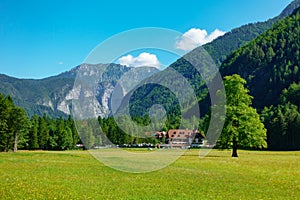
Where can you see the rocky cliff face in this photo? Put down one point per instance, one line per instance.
(55, 95)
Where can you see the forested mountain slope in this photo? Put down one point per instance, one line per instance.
(269, 63)
(221, 47)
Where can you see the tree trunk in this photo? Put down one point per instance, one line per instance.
(16, 142)
(234, 147)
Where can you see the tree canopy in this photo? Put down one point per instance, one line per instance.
(243, 127)
(18, 131)
(283, 121)
(14, 124)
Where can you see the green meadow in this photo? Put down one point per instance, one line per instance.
(77, 175)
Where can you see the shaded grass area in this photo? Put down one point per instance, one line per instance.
(77, 175)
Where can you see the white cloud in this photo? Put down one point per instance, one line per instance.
(60, 62)
(196, 37)
(144, 59)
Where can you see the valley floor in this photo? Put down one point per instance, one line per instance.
(77, 175)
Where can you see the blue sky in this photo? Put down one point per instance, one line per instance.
(44, 38)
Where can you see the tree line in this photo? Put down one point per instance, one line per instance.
(283, 121)
(17, 130)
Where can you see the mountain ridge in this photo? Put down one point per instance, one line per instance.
(219, 49)
(53, 95)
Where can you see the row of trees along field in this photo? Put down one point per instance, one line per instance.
(106, 131)
(17, 130)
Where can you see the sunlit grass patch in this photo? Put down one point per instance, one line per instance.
(77, 175)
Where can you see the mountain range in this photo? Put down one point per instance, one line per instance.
(53, 95)
(267, 71)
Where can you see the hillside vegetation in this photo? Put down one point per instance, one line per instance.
(269, 63)
(220, 48)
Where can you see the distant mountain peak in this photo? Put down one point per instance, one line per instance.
(54, 95)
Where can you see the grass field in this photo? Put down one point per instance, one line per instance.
(77, 175)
